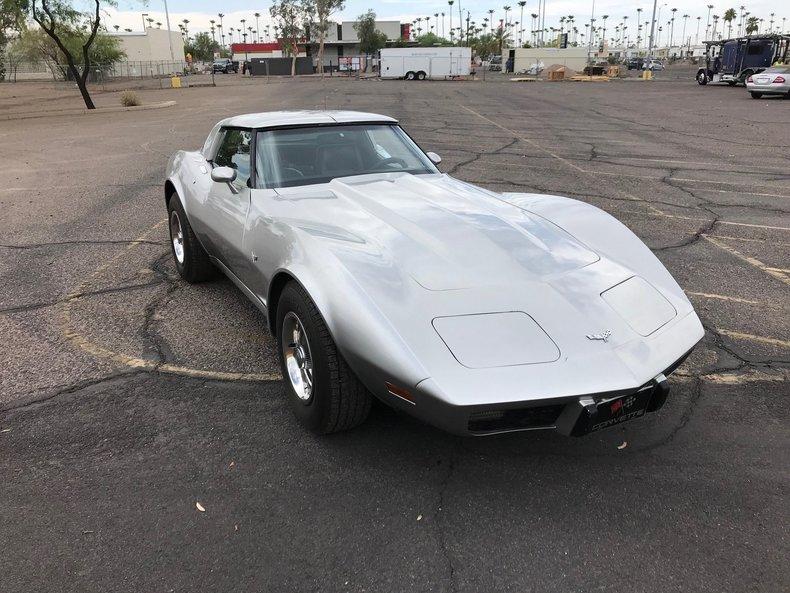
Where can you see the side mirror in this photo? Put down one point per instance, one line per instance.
(435, 158)
(223, 174)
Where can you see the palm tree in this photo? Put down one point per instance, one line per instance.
(506, 9)
(257, 15)
(672, 27)
(116, 27)
(771, 30)
(222, 30)
(707, 25)
(729, 16)
(442, 24)
(522, 4)
(186, 29)
(603, 34)
(685, 18)
(158, 25)
(212, 21)
(740, 25)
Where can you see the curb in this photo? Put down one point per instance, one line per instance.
(85, 111)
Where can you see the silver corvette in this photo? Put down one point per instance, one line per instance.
(475, 311)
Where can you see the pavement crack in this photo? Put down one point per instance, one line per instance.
(24, 403)
(80, 242)
(440, 514)
(76, 295)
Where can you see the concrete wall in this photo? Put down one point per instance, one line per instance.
(151, 46)
(572, 57)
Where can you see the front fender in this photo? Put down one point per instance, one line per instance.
(365, 337)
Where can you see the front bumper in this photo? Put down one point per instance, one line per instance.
(574, 415)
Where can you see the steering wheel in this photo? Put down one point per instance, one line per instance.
(297, 172)
(392, 159)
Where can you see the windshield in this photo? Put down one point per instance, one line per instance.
(305, 156)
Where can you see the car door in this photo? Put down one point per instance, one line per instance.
(226, 206)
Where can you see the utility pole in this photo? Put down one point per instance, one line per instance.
(169, 33)
(652, 31)
(592, 29)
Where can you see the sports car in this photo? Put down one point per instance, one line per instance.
(379, 276)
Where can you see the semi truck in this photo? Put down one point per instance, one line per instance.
(734, 60)
(419, 63)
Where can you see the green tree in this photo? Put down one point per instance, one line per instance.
(290, 16)
(202, 47)
(752, 25)
(431, 40)
(371, 40)
(61, 21)
(729, 16)
(36, 46)
(12, 20)
(320, 12)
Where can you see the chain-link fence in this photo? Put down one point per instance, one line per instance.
(99, 73)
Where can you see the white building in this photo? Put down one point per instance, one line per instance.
(152, 45)
(342, 39)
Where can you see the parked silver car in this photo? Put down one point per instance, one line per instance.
(477, 311)
(771, 81)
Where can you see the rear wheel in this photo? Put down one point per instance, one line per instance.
(410, 76)
(323, 391)
(702, 77)
(192, 261)
(421, 76)
(756, 95)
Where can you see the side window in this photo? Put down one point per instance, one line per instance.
(234, 152)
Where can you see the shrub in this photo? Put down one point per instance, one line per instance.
(130, 99)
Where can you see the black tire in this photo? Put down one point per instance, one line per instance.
(756, 95)
(194, 265)
(410, 76)
(421, 75)
(702, 78)
(337, 400)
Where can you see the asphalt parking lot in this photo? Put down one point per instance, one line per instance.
(127, 396)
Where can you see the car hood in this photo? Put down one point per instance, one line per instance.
(488, 295)
(442, 233)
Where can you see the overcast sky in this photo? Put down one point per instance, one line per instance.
(198, 12)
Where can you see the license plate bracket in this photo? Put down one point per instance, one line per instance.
(611, 412)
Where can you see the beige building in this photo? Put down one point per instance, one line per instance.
(574, 58)
(152, 45)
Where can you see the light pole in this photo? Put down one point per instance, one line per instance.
(707, 23)
(592, 32)
(652, 31)
(169, 33)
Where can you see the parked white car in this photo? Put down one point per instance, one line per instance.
(771, 81)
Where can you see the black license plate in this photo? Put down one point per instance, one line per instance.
(616, 411)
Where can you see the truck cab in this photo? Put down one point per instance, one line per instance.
(734, 60)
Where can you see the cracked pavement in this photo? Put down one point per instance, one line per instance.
(127, 396)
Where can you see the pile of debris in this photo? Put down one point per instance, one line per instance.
(559, 72)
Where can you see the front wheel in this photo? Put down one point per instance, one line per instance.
(323, 391)
(702, 77)
(410, 76)
(192, 261)
(756, 95)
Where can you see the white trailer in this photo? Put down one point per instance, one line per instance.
(419, 63)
